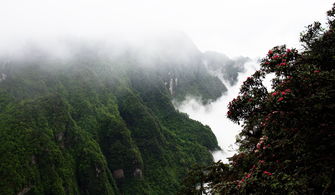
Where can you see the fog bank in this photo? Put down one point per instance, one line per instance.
(215, 114)
(235, 28)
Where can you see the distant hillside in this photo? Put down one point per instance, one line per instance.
(222, 66)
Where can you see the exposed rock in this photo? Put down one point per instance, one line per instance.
(98, 171)
(2, 77)
(60, 136)
(33, 159)
(24, 190)
(138, 173)
(118, 174)
(171, 86)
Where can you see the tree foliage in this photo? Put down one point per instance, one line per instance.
(287, 142)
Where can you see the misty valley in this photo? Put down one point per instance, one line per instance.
(115, 111)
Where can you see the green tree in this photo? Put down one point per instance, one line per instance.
(287, 142)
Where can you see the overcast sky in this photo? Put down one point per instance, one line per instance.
(234, 27)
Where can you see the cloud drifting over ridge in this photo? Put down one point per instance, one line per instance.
(236, 28)
(215, 115)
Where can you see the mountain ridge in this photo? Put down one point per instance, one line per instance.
(96, 124)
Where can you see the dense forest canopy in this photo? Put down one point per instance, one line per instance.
(287, 142)
(100, 120)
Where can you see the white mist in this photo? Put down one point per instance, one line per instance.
(215, 115)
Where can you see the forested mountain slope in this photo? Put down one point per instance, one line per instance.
(101, 123)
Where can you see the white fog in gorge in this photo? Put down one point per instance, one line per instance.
(215, 114)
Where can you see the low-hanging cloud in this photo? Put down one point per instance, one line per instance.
(232, 27)
(215, 114)
(223, 67)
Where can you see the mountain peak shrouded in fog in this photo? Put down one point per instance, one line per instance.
(176, 46)
(95, 116)
(183, 68)
(224, 67)
(232, 27)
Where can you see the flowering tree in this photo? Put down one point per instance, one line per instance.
(288, 139)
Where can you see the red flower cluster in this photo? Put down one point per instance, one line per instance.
(280, 99)
(261, 144)
(247, 176)
(267, 173)
(285, 92)
(279, 57)
(276, 57)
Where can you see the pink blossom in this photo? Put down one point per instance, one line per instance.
(280, 99)
(288, 50)
(267, 173)
(283, 93)
(275, 57)
(274, 93)
(270, 52)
